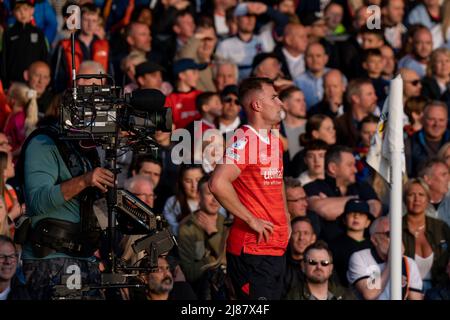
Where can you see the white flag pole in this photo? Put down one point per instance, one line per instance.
(396, 146)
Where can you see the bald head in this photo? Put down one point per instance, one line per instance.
(334, 87)
(38, 76)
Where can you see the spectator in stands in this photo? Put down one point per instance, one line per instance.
(200, 47)
(88, 46)
(427, 13)
(369, 270)
(302, 236)
(426, 143)
(24, 116)
(414, 107)
(292, 51)
(317, 267)
(293, 125)
(362, 101)
(366, 132)
(327, 197)
(229, 120)
(147, 166)
(297, 204)
(38, 76)
(357, 219)
(422, 46)
(315, 161)
(225, 73)
(143, 188)
(435, 174)
(424, 236)
(332, 104)
(320, 127)
(182, 100)
(311, 81)
(372, 62)
(183, 29)
(242, 48)
(334, 14)
(11, 287)
(393, 12)
(128, 67)
(390, 63)
(442, 291)
(441, 32)
(162, 283)
(13, 208)
(202, 240)
(23, 43)
(436, 84)
(148, 75)
(412, 86)
(186, 199)
(444, 154)
(317, 32)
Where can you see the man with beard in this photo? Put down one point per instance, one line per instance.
(317, 267)
(162, 284)
(201, 241)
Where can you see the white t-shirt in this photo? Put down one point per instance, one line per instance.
(296, 65)
(362, 265)
(241, 52)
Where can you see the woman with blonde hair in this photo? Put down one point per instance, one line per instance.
(424, 236)
(24, 116)
(441, 31)
(436, 83)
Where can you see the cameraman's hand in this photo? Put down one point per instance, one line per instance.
(99, 177)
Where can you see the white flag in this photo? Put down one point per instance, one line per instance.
(389, 135)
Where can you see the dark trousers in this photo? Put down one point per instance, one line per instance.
(256, 277)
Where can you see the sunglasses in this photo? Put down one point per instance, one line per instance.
(231, 100)
(323, 263)
(414, 82)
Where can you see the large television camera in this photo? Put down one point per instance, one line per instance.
(100, 112)
(103, 115)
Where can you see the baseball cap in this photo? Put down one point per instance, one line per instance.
(16, 2)
(147, 67)
(260, 57)
(310, 18)
(359, 206)
(187, 64)
(240, 10)
(230, 89)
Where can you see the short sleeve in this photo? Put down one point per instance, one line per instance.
(237, 152)
(357, 268)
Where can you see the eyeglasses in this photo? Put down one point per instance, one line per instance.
(323, 263)
(231, 100)
(12, 257)
(413, 82)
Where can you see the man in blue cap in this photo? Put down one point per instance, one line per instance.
(182, 100)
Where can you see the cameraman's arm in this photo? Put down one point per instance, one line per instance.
(43, 168)
(99, 177)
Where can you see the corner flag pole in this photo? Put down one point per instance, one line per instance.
(396, 149)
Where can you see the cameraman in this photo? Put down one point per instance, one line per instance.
(61, 180)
